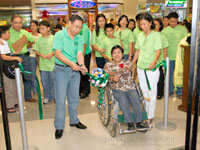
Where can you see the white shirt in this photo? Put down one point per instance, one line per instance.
(4, 49)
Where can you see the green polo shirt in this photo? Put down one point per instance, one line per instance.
(164, 45)
(69, 48)
(44, 46)
(136, 32)
(126, 37)
(148, 47)
(85, 33)
(174, 35)
(97, 40)
(16, 35)
(108, 44)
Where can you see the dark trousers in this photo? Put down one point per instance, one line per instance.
(100, 62)
(85, 83)
(26, 77)
(160, 87)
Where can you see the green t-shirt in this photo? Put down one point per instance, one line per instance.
(85, 33)
(97, 40)
(174, 35)
(148, 47)
(16, 35)
(136, 32)
(44, 46)
(108, 44)
(164, 45)
(68, 47)
(126, 36)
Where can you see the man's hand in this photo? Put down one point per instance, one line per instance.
(75, 67)
(116, 78)
(19, 59)
(43, 56)
(83, 69)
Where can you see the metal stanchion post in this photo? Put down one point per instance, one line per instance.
(21, 112)
(165, 125)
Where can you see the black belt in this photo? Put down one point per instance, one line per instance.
(24, 54)
(61, 65)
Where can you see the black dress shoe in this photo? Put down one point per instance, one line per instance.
(58, 134)
(83, 95)
(79, 125)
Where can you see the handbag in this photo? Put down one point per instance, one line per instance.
(8, 68)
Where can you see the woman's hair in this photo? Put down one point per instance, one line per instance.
(188, 26)
(117, 47)
(160, 22)
(35, 22)
(123, 16)
(132, 20)
(148, 17)
(97, 25)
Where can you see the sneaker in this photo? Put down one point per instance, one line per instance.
(131, 126)
(46, 101)
(142, 125)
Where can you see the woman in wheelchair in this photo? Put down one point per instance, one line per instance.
(124, 89)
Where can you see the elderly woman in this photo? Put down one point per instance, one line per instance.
(124, 88)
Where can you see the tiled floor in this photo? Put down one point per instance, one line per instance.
(40, 133)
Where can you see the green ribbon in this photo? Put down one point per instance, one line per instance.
(38, 89)
(101, 90)
(163, 63)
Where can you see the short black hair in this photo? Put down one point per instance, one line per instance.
(111, 19)
(149, 18)
(188, 26)
(15, 16)
(137, 18)
(173, 15)
(35, 22)
(132, 20)
(166, 17)
(44, 23)
(115, 47)
(160, 22)
(3, 29)
(109, 25)
(75, 17)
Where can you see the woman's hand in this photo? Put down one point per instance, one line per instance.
(152, 65)
(116, 78)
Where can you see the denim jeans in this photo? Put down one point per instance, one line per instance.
(66, 83)
(171, 76)
(179, 91)
(33, 66)
(26, 77)
(47, 83)
(125, 99)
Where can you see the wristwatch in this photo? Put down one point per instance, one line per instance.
(82, 65)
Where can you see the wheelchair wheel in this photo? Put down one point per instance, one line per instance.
(112, 126)
(104, 112)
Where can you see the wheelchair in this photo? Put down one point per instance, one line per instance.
(111, 116)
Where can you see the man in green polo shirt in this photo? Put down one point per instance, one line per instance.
(16, 32)
(68, 47)
(174, 34)
(85, 33)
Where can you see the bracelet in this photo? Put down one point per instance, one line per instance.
(82, 65)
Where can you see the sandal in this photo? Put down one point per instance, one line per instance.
(11, 110)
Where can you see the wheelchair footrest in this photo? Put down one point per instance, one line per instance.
(120, 117)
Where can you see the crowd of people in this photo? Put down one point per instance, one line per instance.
(64, 58)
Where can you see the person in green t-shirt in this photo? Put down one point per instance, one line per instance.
(109, 42)
(126, 36)
(159, 27)
(174, 34)
(148, 46)
(68, 47)
(43, 49)
(97, 37)
(85, 33)
(16, 32)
